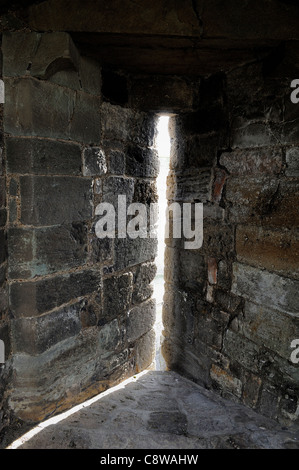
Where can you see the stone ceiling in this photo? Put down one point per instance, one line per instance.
(192, 37)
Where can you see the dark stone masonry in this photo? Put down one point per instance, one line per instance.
(84, 85)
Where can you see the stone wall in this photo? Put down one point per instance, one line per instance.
(231, 307)
(80, 307)
(77, 311)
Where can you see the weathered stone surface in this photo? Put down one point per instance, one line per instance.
(109, 339)
(183, 20)
(192, 188)
(142, 279)
(2, 191)
(162, 93)
(41, 157)
(252, 162)
(3, 246)
(117, 296)
(75, 363)
(266, 288)
(140, 320)
(101, 249)
(226, 381)
(269, 327)
(36, 335)
(116, 122)
(44, 54)
(114, 186)
(243, 351)
(129, 252)
(292, 161)
(254, 134)
(46, 250)
(271, 249)
(76, 115)
(94, 162)
(28, 299)
(116, 162)
(218, 239)
(263, 201)
(145, 351)
(3, 217)
(141, 162)
(192, 269)
(68, 200)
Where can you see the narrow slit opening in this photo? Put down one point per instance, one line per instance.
(163, 145)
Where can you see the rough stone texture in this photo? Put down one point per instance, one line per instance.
(231, 308)
(234, 136)
(162, 410)
(266, 288)
(28, 299)
(69, 200)
(70, 293)
(40, 157)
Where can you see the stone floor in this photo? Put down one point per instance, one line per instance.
(160, 410)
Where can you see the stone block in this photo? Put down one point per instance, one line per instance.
(265, 201)
(192, 273)
(218, 239)
(129, 252)
(242, 351)
(29, 299)
(162, 94)
(145, 351)
(114, 186)
(266, 288)
(3, 246)
(292, 161)
(252, 385)
(34, 101)
(85, 122)
(109, 339)
(56, 200)
(254, 134)
(116, 123)
(116, 161)
(42, 157)
(140, 320)
(226, 381)
(94, 162)
(263, 325)
(13, 187)
(36, 335)
(13, 211)
(101, 249)
(2, 191)
(193, 188)
(37, 252)
(117, 292)
(252, 161)
(90, 75)
(268, 405)
(3, 217)
(141, 162)
(142, 288)
(3, 269)
(275, 250)
(211, 117)
(76, 115)
(43, 55)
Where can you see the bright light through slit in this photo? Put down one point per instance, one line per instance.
(163, 149)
